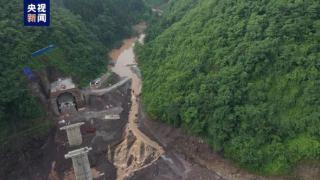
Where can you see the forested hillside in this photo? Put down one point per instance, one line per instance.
(81, 40)
(109, 20)
(244, 75)
(175, 10)
(156, 3)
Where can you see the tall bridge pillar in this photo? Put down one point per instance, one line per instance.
(80, 163)
(73, 133)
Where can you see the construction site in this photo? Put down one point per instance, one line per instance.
(98, 130)
(101, 132)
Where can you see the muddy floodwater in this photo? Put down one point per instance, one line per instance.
(124, 58)
(155, 162)
(125, 65)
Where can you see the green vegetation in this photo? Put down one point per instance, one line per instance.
(109, 20)
(81, 37)
(156, 3)
(174, 11)
(244, 75)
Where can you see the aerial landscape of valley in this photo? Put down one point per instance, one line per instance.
(160, 90)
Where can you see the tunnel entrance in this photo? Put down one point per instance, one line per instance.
(66, 103)
(65, 97)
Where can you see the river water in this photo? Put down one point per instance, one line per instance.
(124, 59)
(125, 65)
(173, 164)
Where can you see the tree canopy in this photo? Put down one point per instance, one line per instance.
(244, 75)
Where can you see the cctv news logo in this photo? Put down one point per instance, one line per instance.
(36, 12)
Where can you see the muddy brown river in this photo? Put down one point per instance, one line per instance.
(155, 163)
(124, 59)
(124, 63)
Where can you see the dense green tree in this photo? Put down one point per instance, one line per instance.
(242, 74)
(110, 20)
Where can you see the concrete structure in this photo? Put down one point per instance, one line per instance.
(73, 133)
(66, 98)
(64, 91)
(80, 163)
(100, 92)
(112, 117)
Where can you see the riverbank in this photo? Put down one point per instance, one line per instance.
(170, 164)
(188, 156)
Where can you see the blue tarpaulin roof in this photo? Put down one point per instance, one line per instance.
(28, 72)
(43, 50)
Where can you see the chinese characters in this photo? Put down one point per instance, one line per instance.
(36, 12)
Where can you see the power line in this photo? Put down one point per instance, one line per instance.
(26, 132)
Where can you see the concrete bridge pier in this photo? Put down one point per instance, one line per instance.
(80, 163)
(73, 133)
